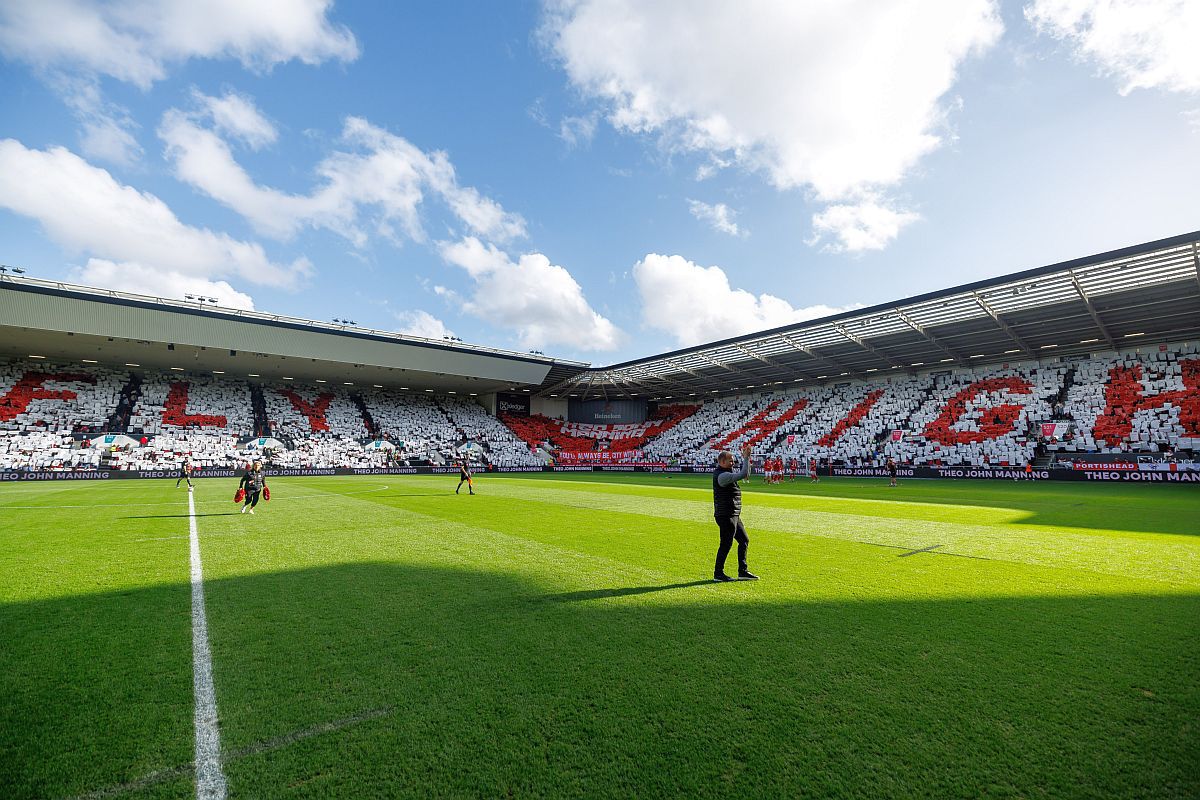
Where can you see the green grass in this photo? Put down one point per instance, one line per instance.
(555, 636)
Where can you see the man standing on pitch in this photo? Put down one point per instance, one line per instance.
(727, 509)
(464, 476)
(185, 473)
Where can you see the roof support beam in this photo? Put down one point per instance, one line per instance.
(1087, 301)
(574, 382)
(648, 379)
(591, 383)
(702, 378)
(1003, 325)
(808, 351)
(867, 346)
(929, 337)
(714, 362)
(1196, 261)
(739, 373)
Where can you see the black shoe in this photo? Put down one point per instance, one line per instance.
(747, 575)
(721, 577)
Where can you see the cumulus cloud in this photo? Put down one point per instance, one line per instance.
(696, 304)
(141, 279)
(857, 227)
(377, 184)
(86, 210)
(236, 115)
(136, 40)
(422, 323)
(538, 300)
(719, 216)
(1140, 44)
(841, 97)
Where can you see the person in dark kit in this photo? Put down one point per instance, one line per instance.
(254, 482)
(464, 476)
(727, 510)
(185, 474)
(891, 470)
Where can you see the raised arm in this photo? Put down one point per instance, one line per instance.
(728, 478)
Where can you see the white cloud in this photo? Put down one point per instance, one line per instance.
(140, 279)
(857, 227)
(378, 184)
(239, 117)
(86, 210)
(714, 165)
(719, 216)
(696, 304)
(106, 128)
(422, 323)
(136, 40)
(577, 131)
(1141, 44)
(844, 98)
(537, 299)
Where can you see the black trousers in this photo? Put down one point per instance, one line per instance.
(252, 498)
(182, 477)
(732, 530)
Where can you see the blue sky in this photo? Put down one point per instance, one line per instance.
(600, 179)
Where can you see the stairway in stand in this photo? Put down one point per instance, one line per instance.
(368, 420)
(262, 427)
(118, 422)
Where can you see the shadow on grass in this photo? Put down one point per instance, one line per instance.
(714, 694)
(599, 594)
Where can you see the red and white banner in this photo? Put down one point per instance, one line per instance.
(897, 436)
(592, 430)
(791, 438)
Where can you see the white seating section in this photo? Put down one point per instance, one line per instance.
(413, 422)
(46, 397)
(473, 423)
(324, 413)
(1154, 427)
(1121, 403)
(189, 403)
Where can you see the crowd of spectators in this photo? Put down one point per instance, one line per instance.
(1143, 403)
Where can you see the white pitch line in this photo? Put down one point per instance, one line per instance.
(210, 778)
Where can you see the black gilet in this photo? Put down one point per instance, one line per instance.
(727, 500)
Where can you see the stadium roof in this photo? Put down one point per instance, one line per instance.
(1139, 295)
(65, 322)
(1144, 294)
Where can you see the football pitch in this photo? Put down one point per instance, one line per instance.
(560, 636)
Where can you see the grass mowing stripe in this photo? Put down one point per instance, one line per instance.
(127, 505)
(1164, 558)
(210, 778)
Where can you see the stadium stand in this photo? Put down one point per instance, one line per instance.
(473, 423)
(537, 430)
(1137, 403)
(73, 399)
